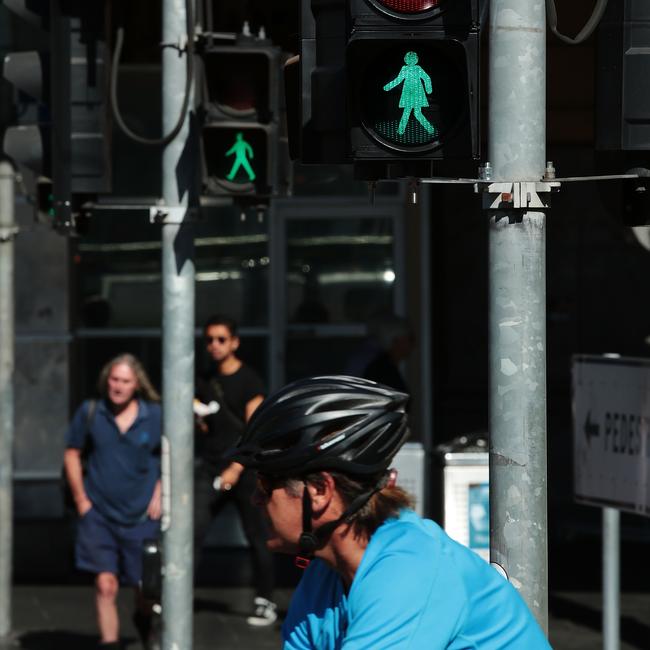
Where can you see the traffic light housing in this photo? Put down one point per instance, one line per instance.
(63, 130)
(622, 89)
(28, 141)
(244, 152)
(412, 76)
(622, 129)
(408, 71)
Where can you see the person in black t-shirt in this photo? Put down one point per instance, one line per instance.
(228, 394)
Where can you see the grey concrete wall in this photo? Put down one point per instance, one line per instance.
(42, 365)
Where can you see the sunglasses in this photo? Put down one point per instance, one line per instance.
(219, 339)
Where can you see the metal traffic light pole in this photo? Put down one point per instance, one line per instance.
(517, 300)
(7, 269)
(179, 176)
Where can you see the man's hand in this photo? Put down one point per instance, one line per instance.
(74, 474)
(230, 476)
(83, 506)
(154, 509)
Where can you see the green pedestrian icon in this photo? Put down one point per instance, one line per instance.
(416, 86)
(242, 152)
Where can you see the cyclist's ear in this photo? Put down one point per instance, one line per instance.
(322, 491)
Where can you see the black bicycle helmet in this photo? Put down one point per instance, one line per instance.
(325, 423)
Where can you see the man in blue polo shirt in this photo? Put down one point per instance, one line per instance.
(118, 499)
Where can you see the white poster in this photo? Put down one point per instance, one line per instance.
(611, 417)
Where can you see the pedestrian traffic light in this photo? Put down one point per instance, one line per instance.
(63, 133)
(236, 158)
(244, 153)
(413, 79)
(389, 81)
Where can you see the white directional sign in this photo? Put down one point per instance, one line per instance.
(611, 423)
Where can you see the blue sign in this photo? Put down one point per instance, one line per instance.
(478, 514)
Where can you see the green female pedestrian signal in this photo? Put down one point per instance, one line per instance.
(242, 152)
(416, 85)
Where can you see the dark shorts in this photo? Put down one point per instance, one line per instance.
(104, 546)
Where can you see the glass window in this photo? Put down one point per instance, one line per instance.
(339, 270)
(308, 356)
(118, 265)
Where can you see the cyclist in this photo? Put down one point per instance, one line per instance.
(376, 574)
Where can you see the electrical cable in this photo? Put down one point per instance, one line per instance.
(189, 53)
(585, 32)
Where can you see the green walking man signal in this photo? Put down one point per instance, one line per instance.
(414, 96)
(242, 152)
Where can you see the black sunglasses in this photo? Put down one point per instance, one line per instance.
(220, 339)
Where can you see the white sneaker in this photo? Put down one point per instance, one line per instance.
(264, 613)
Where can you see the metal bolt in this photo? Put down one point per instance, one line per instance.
(485, 172)
(549, 172)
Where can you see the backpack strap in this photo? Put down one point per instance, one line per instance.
(223, 403)
(90, 418)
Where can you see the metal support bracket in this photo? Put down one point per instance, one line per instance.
(8, 234)
(177, 214)
(180, 45)
(526, 195)
(521, 195)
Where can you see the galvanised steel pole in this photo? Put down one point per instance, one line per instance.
(611, 579)
(178, 183)
(7, 362)
(517, 303)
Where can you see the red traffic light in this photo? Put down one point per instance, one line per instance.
(406, 6)
(238, 81)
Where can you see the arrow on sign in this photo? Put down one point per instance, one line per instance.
(592, 430)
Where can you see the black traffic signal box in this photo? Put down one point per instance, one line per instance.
(413, 79)
(389, 81)
(243, 151)
(63, 130)
(623, 67)
(623, 104)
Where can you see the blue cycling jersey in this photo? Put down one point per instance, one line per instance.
(415, 588)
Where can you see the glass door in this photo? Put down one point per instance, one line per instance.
(339, 266)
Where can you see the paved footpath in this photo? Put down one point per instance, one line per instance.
(56, 617)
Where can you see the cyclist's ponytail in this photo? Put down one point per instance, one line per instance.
(384, 504)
